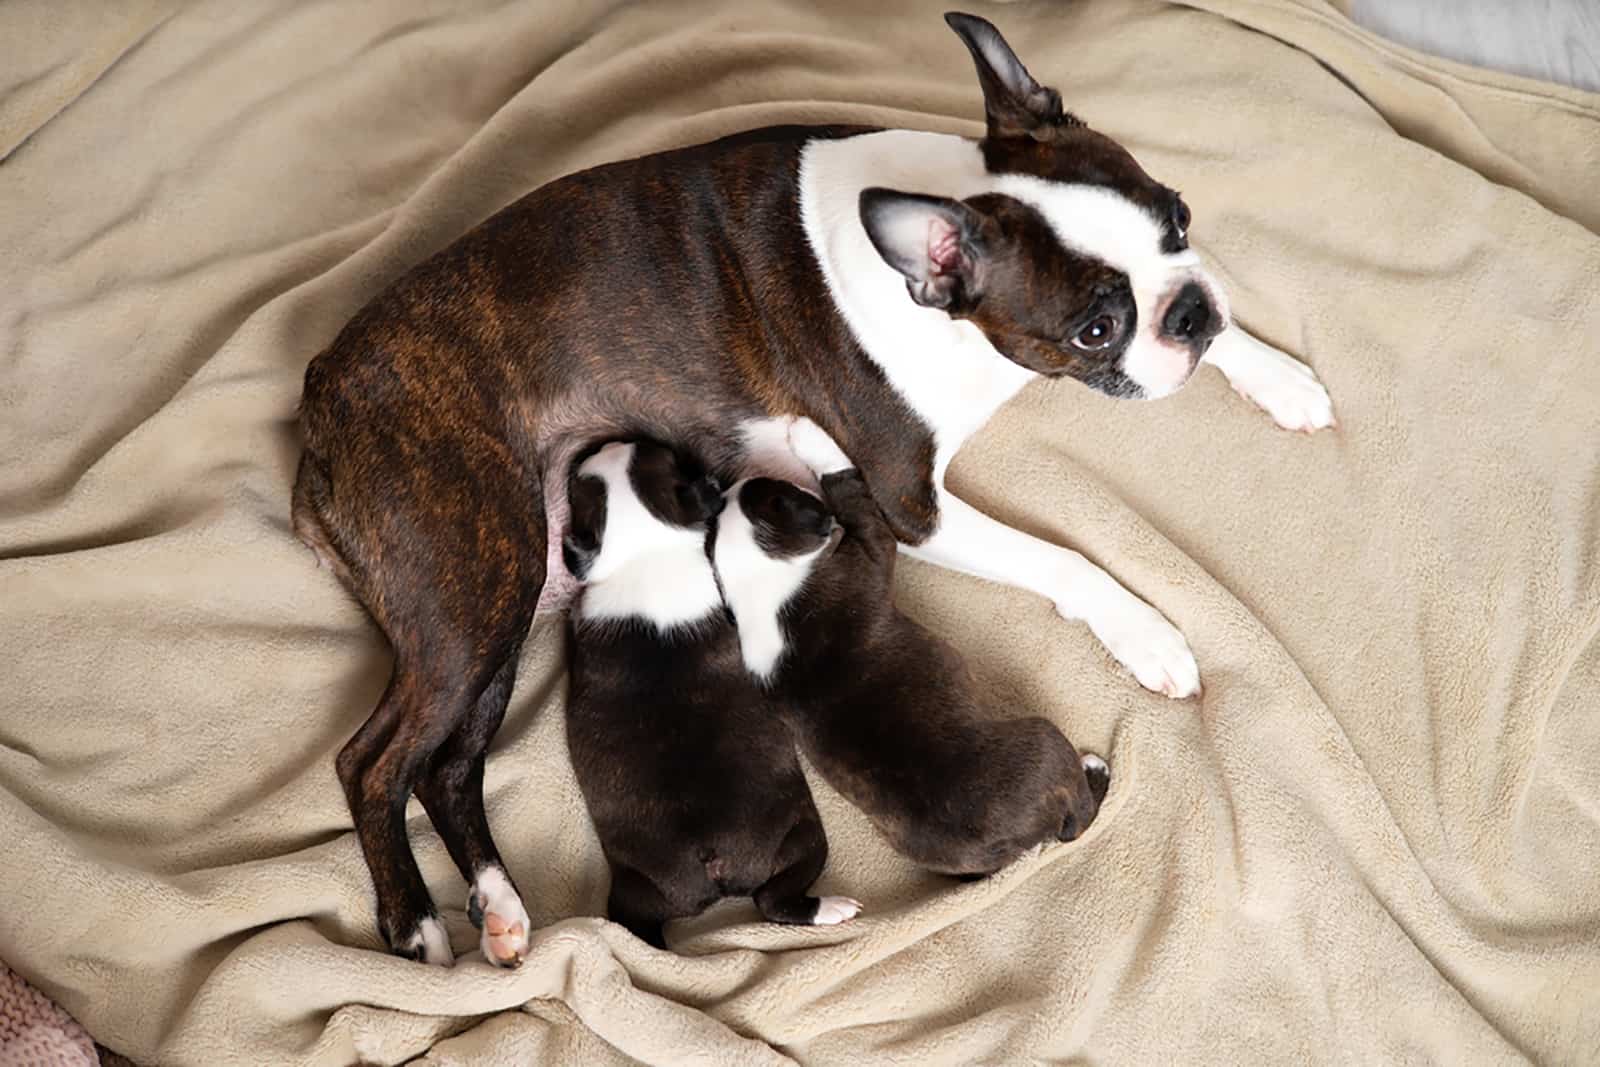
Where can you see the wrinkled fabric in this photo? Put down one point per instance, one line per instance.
(1376, 837)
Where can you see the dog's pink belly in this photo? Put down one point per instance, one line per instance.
(559, 584)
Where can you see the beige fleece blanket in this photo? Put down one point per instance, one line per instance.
(1375, 840)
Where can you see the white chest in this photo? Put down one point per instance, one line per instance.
(945, 369)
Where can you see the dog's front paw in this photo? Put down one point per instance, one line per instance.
(495, 909)
(813, 447)
(1150, 647)
(1278, 384)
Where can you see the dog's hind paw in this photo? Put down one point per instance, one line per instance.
(427, 944)
(496, 910)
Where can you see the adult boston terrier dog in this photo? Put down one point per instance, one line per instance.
(896, 287)
(885, 710)
(689, 773)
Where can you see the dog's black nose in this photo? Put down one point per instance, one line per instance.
(1189, 314)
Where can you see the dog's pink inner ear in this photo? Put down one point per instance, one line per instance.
(944, 246)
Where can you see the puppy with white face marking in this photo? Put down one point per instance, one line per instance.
(886, 711)
(690, 777)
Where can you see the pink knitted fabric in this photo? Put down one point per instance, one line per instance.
(35, 1032)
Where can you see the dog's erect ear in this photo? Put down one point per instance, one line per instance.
(1014, 104)
(934, 241)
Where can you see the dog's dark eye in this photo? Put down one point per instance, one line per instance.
(1095, 336)
(1180, 217)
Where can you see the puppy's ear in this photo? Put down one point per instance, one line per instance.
(699, 500)
(1014, 104)
(932, 240)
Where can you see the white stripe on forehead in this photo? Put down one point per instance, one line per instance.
(646, 568)
(1102, 223)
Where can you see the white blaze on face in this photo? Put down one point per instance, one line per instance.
(1100, 222)
(646, 568)
(755, 585)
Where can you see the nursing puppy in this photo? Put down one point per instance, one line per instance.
(690, 778)
(886, 711)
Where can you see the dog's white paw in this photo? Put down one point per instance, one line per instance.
(1277, 383)
(831, 911)
(496, 910)
(1150, 647)
(429, 944)
(815, 448)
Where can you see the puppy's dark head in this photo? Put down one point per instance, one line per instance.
(765, 544)
(657, 490)
(674, 486)
(1076, 265)
(785, 521)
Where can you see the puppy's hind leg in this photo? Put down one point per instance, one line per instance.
(785, 897)
(638, 904)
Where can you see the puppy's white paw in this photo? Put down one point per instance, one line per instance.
(815, 448)
(495, 909)
(831, 911)
(429, 944)
(1149, 646)
(1280, 385)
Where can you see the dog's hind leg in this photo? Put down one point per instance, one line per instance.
(376, 768)
(451, 789)
(447, 555)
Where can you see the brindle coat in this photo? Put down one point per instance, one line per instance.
(670, 297)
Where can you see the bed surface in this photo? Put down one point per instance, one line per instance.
(1375, 839)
